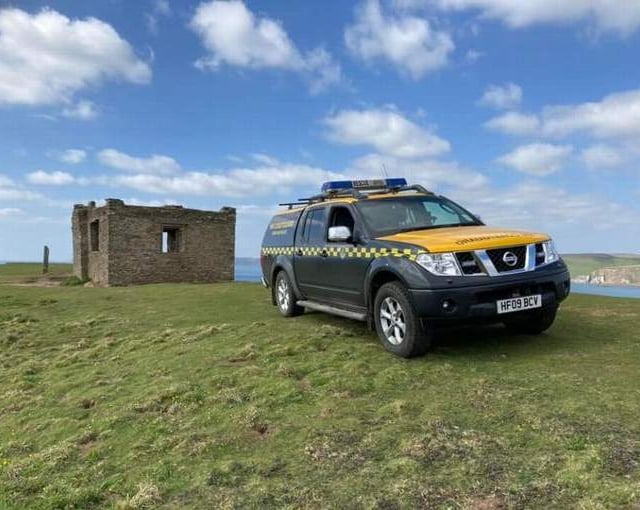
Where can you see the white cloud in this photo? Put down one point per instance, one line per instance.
(603, 156)
(154, 164)
(515, 123)
(502, 97)
(622, 17)
(73, 156)
(571, 213)
(10, 211)
(5, 181)
(15, 194)
(159, 9)
(45, 58)
(82, 110)
(387, 131)
(150, 203)
(430, 173)
(236, 182)
(235, 36)
(162, 7)
(50, 178)
(473, 56)
(265, 159)
(406, 41)
(615, 116)
(322, 71)
(537, 158)
(246, 211)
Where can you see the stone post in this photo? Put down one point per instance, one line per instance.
(45, 260)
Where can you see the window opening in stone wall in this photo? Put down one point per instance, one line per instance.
(171, 240)
(94, 235)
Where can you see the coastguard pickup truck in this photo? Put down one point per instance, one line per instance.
(408, 262)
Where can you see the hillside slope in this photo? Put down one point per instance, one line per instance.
(178, 396)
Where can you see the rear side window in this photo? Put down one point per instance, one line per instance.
(313, 232)
(281, 229)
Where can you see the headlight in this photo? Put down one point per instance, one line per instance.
(440, 264)
(550, 252)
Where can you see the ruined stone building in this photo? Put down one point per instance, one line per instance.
(119, 244)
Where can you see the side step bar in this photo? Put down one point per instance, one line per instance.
(320, 307)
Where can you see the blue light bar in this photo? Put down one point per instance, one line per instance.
(364, 184)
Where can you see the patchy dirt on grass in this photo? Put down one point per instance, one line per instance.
(179, 396)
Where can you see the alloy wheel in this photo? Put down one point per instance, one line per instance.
(283, 294)
(393, 321)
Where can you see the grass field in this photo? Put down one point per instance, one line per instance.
(28, 272)
(584, 264)
(179, 396)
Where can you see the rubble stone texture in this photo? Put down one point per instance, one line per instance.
(120, 244)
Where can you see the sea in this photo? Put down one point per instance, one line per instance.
(624, 291)
(248, 270)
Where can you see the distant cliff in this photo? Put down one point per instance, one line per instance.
(624, 275)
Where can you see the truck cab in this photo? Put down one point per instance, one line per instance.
(408, 262)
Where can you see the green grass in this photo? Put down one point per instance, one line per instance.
(28, 272)
(201, 396)
(584, 264)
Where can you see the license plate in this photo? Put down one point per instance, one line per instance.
(518, 304)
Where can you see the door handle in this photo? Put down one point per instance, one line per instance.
(324, 253)
(299, 252)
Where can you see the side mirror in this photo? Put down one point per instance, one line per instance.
(339, 234)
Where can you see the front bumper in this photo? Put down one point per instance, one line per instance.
(478, 302)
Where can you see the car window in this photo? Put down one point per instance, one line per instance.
(341, 217)
(438, 213)
(314, 226)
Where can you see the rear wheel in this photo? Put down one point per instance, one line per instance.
(399, 328)
(285, 297)
(532, 323)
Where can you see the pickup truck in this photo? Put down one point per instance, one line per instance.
(408, 262)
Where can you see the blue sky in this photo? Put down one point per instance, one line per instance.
(527, 112)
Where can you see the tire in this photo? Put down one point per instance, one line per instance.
(285, 297)
(393, 310)
(532, 323)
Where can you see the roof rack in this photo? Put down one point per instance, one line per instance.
(326, 195)
(354, 193)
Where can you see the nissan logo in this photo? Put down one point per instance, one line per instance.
(510, 258)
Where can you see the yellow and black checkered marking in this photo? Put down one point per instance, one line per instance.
(277, 250)
(345, 252)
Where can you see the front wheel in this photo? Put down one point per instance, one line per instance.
(399, 328)
(285, 297)
(532, 323)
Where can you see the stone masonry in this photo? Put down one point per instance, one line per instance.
(120, 244)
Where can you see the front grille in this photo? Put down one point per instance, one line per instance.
(498, 258)
(468, 263)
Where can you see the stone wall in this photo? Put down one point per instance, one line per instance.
(201, 244)
(90, 256)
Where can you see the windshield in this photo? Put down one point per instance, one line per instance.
(389, 216)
